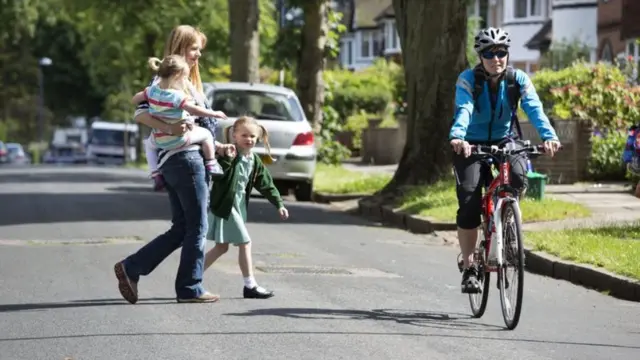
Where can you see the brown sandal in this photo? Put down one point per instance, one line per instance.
(128, 289)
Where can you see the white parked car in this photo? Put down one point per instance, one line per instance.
(290, 134)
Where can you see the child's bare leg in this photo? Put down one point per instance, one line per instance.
(209, 149)
(210, 162)
(212, 255)
(251, 289)
(246, 261)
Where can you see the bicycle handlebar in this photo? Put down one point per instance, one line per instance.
(494, 150)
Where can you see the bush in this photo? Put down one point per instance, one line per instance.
(331, 151)
(597, 93)
(605, 161)
(370, 90)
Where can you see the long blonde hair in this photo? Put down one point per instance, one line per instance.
(180, 39)
(249, 121)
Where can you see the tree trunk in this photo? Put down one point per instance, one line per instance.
(310, 83)
(245, 40)
(433, 54)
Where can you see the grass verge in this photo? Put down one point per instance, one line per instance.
(439, 202)
(615, 248)
(338, 180)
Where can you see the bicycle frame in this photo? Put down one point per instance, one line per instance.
(495, 196)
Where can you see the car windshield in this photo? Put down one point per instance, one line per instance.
(258, 104)
(110, 137)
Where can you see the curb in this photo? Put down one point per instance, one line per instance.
(414, 223)
(536, 262)
(325, 198)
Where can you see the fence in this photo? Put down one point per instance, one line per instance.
(382, 146)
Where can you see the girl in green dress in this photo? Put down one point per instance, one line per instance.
(230, 197)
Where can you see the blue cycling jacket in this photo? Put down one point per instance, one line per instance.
(472, 123)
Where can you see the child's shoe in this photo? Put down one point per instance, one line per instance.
(214, 169)
(256, 292)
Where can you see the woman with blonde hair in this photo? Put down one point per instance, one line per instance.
(184, 174)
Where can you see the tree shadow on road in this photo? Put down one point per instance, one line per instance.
(431, 319)
(142, 205)
(67, 176)
(438, 320)
(81, 304)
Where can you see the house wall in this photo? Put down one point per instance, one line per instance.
(610, 41)
(576, 20)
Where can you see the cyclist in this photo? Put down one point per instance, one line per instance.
(488, 119)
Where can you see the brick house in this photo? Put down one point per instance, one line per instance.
(618, 29)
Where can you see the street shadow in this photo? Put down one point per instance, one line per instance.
(81, 304)
(439, 320)
(68, 176)
(140, 204)
(92, 303)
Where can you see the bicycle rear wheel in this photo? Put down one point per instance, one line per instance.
(511, 287)
(478, 301)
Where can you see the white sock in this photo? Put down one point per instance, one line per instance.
(250, 282)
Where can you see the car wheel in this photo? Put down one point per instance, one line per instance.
(304, 191)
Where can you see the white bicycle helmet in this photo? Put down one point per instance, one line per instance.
(491, 37)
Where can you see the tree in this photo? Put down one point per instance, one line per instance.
(244, 16)
(312, 58)
(433, 54)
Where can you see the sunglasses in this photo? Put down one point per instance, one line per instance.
(489, 55)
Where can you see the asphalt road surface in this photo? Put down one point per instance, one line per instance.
(345, 288)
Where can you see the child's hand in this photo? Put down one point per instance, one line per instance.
(284, 214)
(219, 114)
(226, 149)
(230, 150)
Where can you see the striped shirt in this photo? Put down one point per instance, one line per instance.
(199, 99)
(166, 104)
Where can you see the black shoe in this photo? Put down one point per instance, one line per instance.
(256, 293)
(470, 283)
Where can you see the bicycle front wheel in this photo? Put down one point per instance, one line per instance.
(478, 301)
(511, 273)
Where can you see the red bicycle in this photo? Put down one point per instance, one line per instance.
(500, 248)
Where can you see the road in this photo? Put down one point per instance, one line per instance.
(345, 288)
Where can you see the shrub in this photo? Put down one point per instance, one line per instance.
(605, 161)
(597, 93)
(370, 90)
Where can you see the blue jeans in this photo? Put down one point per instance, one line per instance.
(185, 179)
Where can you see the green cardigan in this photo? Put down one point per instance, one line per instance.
(223, 191)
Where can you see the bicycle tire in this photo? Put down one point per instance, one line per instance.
(478, 309)
(512, 322)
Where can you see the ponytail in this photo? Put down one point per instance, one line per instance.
(154, 63)
(265, 139)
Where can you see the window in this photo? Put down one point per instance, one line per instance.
(258, 104)
(365, 45)
(607, 53)
(527, 8)
(535, 7)
(394, 36)
(346, 53)
(377, 44)
(520, 9)
(480, 9)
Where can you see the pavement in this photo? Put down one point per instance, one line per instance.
(610, 202)
(345, 288)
